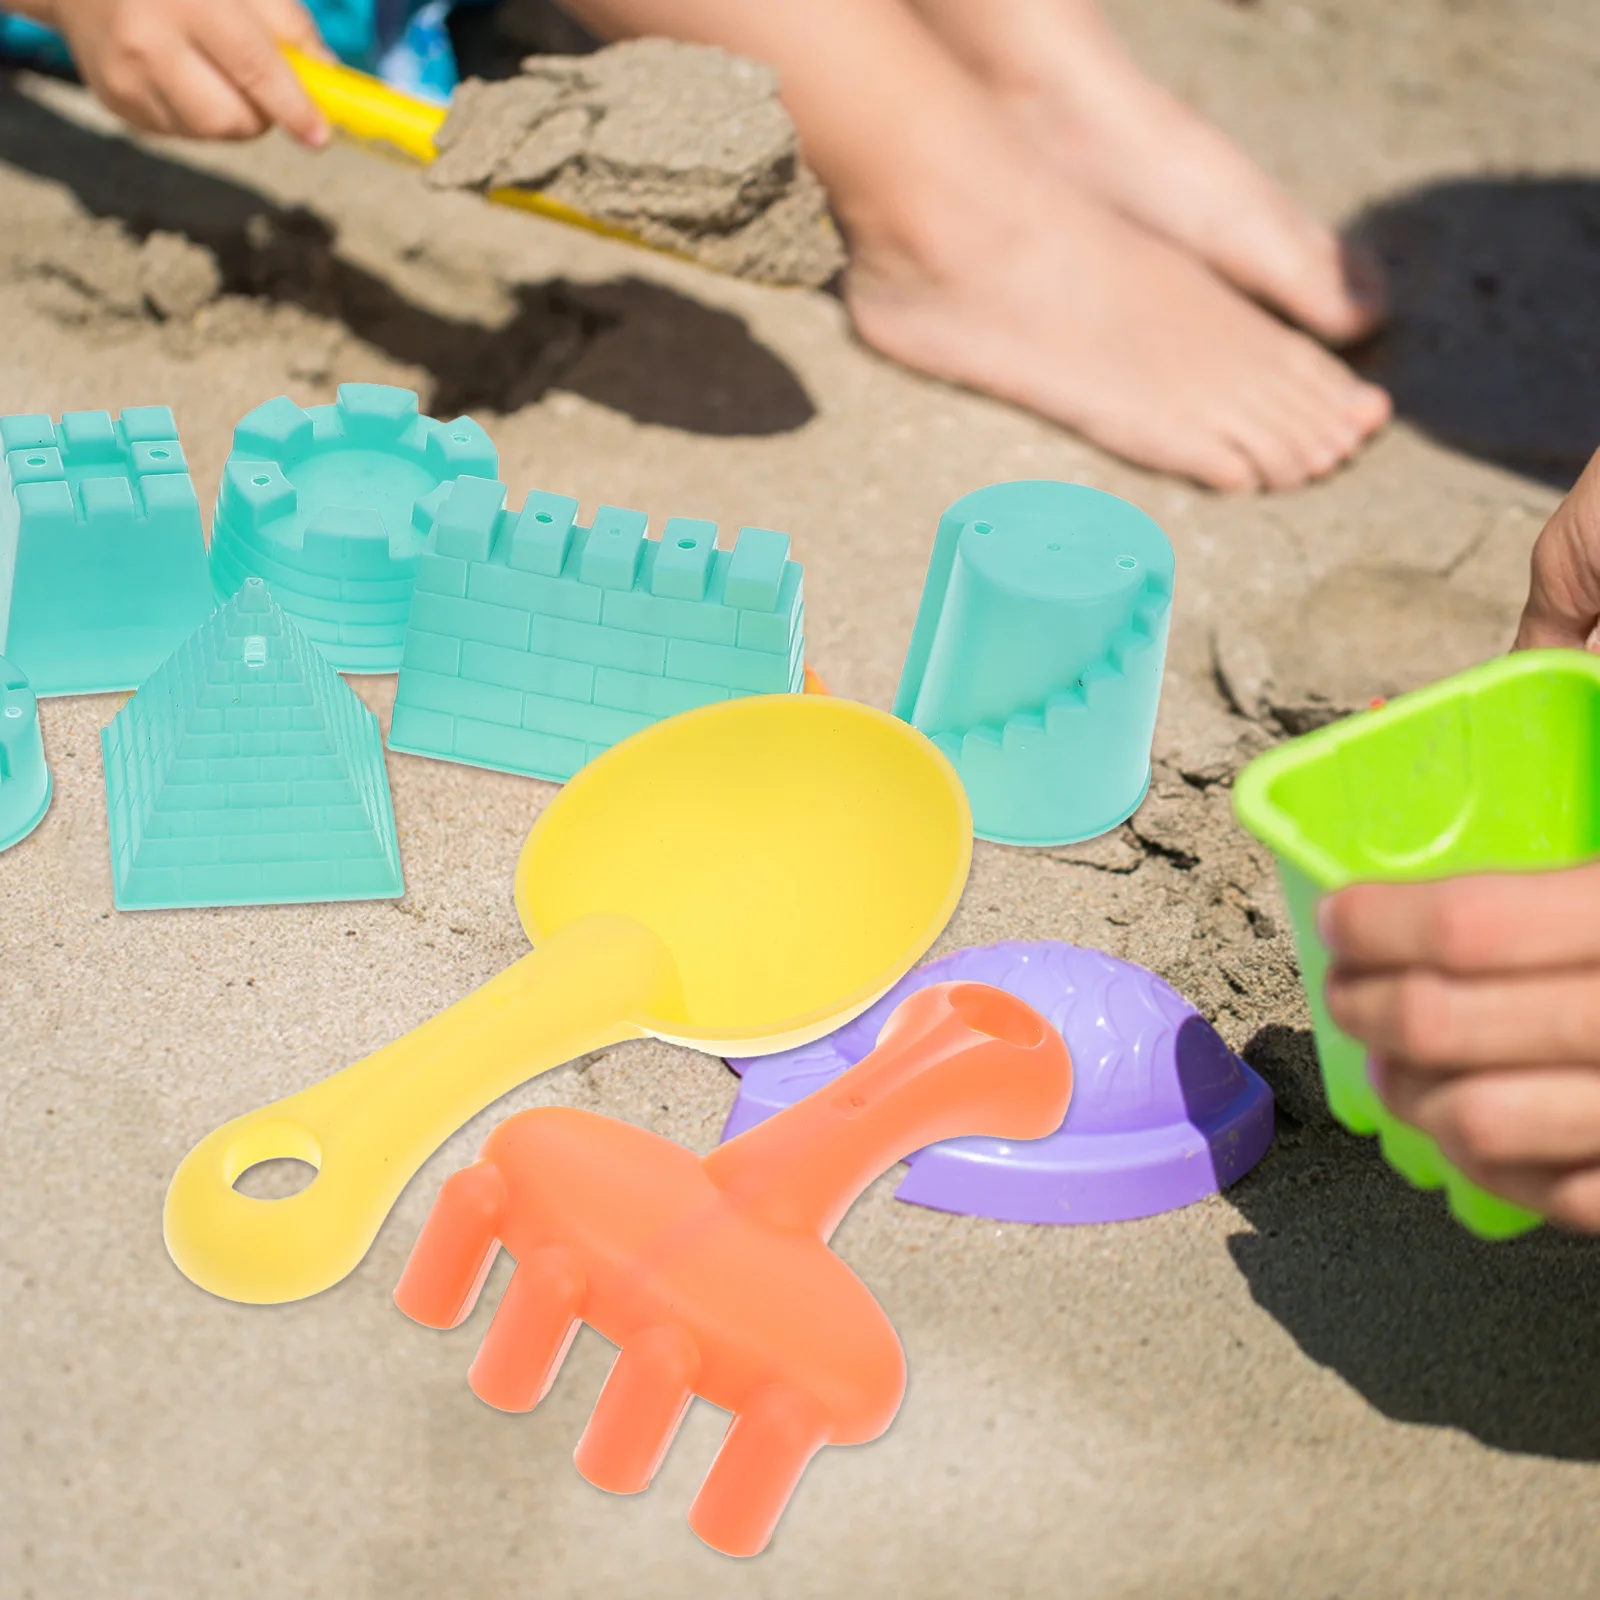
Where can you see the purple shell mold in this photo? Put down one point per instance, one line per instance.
(1163, 1113)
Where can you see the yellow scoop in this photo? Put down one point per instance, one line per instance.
(739, 879)
(369, 110)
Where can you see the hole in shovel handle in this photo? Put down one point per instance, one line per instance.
(275, 1140)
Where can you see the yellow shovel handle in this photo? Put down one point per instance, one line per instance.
(366, 108)
(369, 1128)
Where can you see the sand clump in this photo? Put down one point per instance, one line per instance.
(177, 277)
(685, 146)
(1290, 665)
(95, 271)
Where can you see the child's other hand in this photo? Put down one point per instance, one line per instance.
(1479, 1000)
(206, 69)
(1564, 599)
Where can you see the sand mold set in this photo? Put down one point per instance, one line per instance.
(683, 145)
(740, 867)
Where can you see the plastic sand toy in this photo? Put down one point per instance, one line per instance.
(1163, 1113)
(1489, 771)
(739, 879)
(333, 506)
(24, 778)
(713, 1275)
(535, 643)
(1036, 660)
(246, 772)
(102, 556)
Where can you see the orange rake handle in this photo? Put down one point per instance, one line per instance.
(967, 1057)
(713, 1276)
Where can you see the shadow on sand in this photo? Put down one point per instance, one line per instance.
(1429, 1324)
(638, 347)
(492, 41)
(1494, 348)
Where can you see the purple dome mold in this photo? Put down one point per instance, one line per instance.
(1163, 1112)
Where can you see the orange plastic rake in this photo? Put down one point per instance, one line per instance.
(714, 1275)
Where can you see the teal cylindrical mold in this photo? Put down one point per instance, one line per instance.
(333, 508)
(24, 778)
(1036, 660)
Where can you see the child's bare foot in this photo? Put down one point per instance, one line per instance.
(974, 259)
(1042, 296)
(1081, 99)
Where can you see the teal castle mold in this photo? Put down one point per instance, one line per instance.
(24, 778)
(536, 643)
(332, 507)
(246, 772)
(1036, 660)
(102, 556)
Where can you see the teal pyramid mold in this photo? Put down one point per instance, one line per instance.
(246, 772)
(333, 507)
(102, 556)
(536, 643)
(24, 778)
(1037, 656)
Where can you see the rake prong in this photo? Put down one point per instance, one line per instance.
(763, 1454)
(532, 1328)
(456, 1248)
(645, 1396)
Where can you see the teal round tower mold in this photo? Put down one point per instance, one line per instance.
(24, 778)
(1036, 660)
(333, 506)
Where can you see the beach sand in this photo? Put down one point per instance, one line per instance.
(1316, 1385)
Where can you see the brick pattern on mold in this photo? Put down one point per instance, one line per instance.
(536, 643)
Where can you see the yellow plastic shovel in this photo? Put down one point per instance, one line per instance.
(739, 879)
(370, 111)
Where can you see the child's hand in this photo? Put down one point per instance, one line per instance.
(1564, 600)
(1479, 999)
(208, 69)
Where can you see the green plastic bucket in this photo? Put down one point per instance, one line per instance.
(1494, 770)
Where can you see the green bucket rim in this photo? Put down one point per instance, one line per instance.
(1255, 808)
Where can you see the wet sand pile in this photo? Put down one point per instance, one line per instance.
(686, 146)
